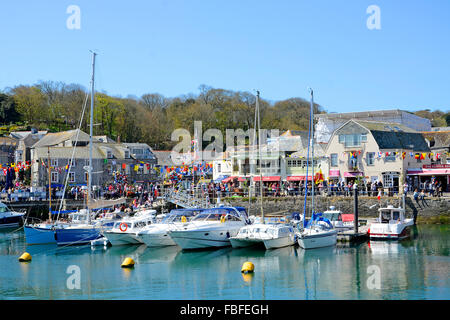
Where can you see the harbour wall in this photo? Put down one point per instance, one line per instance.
(431, 209)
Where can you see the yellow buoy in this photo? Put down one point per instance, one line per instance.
(25, 257)
(128, 263)
(248, 267)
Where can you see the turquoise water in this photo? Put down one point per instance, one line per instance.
(417, 268)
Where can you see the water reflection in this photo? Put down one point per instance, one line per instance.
(414, 268)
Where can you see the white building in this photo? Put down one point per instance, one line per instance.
(328, 123)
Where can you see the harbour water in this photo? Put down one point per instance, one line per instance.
(416, 268)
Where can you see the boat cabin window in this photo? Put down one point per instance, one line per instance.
(395, 215)
(4, 208)
(385, 216)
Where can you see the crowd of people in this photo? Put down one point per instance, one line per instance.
(148, 192)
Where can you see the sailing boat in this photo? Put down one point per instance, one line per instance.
(319, 231)
(268, 234)
(83, 233)
(43, 232)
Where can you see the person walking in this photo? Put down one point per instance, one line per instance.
(416, 197)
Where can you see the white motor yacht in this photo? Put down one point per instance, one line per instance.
(268, 234)
(390, 225)
(157, 234)
(124, 231)
(211, 228)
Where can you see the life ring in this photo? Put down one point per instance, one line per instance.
(222, 219)
(183, 219)
(123, 224)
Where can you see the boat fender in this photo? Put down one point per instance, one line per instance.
(123, 227)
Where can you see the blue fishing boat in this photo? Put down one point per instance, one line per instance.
(9, 218)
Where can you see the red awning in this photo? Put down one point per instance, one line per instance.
(268, 178)
(353, 174)
(298, 178)
(334, 173)
(242, 179)
(226, 180)
(428, 172)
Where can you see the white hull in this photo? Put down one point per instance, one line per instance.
(279, 242)
(201, 239)
(156, 239)
(123, 238)
(390, 231)
(244, 242)
(317, 239)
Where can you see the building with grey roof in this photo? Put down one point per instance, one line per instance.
(108, 159)
(327, 123)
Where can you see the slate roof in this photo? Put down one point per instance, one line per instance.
(66, 153)
(393, 135)
(52, 139)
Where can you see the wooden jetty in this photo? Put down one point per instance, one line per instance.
(354, 236)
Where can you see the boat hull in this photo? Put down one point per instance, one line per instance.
(279, 242)
(384, 231)
(188, 240)
(156, 239)
(121, 238)
(11, 221)
(244, 242)
(76, 236)
(37, 235)
(318, 240)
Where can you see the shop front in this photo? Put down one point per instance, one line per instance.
(271, 184)
(352, 176)
(438, 174)
(334, 176)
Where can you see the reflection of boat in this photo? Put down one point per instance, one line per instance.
(210, 229)
(390, 225)
(186, 258)
(9, 218)
(386, 247)
(157, 255)
(320, 253)
(157, 235)
(124, 231)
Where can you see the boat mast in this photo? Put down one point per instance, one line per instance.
(90, 136)
(260, 158)
(312, 150)
(49, 185)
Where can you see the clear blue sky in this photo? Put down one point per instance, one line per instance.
(278, 47)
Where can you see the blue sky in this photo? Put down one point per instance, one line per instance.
(278, 47)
